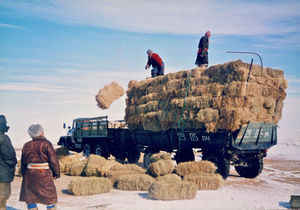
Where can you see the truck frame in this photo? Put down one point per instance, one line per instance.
(244, 149)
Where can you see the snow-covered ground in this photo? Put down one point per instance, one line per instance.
(271, 190)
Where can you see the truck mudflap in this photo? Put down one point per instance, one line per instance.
(256, 136)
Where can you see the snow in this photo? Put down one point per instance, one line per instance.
(272, 189)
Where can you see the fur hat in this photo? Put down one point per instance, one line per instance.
(35, 130)
(3, 124)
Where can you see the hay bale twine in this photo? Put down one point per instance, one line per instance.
(89, 185)
(161, 190)
(161, 167)
(76, 169)
(134, 182)
(169, 178)
(205, 181)
(93, 163)
(204, 166)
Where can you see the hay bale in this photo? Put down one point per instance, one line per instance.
(160, 156)
(204, 166)
(89, 186)
(169, 178)
(66, 162)
(93, 163)
(76, 169)
(105, 166)
(205, 181)
(161, 190)
(161, 167)
(117, 171)
(134, 182)
(109, 94)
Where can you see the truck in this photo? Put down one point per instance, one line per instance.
(244, 148)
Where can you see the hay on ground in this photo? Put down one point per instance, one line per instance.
(169, 178)
(76, 169)
(205, 181)
(93, 163)
(109, 94)
(134, 182)
(160, 190)
(90, 185)
(204, 166)
(160, 156)
(105, 166)
(66, 162)
(161, 167)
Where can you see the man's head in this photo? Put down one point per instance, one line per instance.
(35, 130)
(207, 34)
(149, 52)
(3, 124)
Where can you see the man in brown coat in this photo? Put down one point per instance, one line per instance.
(39, 166)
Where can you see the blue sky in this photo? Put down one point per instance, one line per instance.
(56, 55)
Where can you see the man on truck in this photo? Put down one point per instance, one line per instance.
(202, 54)
(156, 62)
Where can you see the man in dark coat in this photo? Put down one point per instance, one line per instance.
(202, 55)
(8, 162)
(39, 167)
(157, 64)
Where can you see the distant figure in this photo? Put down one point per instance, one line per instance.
(39, 166)
(8, 162)
(156, 62)
(202, 55)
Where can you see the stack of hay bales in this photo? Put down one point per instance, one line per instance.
(109, 94)
(169, 178)
(89, 185)
(201, 173)
(219, 98)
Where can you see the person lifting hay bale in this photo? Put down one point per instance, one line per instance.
(161, 167)
(134, 182)
(219, 97)
(204, 166)
(89, 186)
(205, 181)
(160, 156)
(160, 190)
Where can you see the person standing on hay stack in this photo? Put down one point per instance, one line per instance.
(39, 167)
(202, 54)
(8, 162)
(157, 64)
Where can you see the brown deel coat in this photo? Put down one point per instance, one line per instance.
(37, 184)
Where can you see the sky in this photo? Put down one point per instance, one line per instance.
(56, 54)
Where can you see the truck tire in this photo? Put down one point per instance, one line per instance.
(254, 168)
(86, 150)
(185, 156)
(101, 151)
(222, 164)
(133, 155)
(147, 155)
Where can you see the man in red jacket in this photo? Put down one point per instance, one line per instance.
(156, 62)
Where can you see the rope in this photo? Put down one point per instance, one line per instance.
(184, 102)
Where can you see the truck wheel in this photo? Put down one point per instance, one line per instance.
(86, 150)
(147, 156)
(222, 164)
(101, 151)
(185, 156)
(253, 169)
(133, 155)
